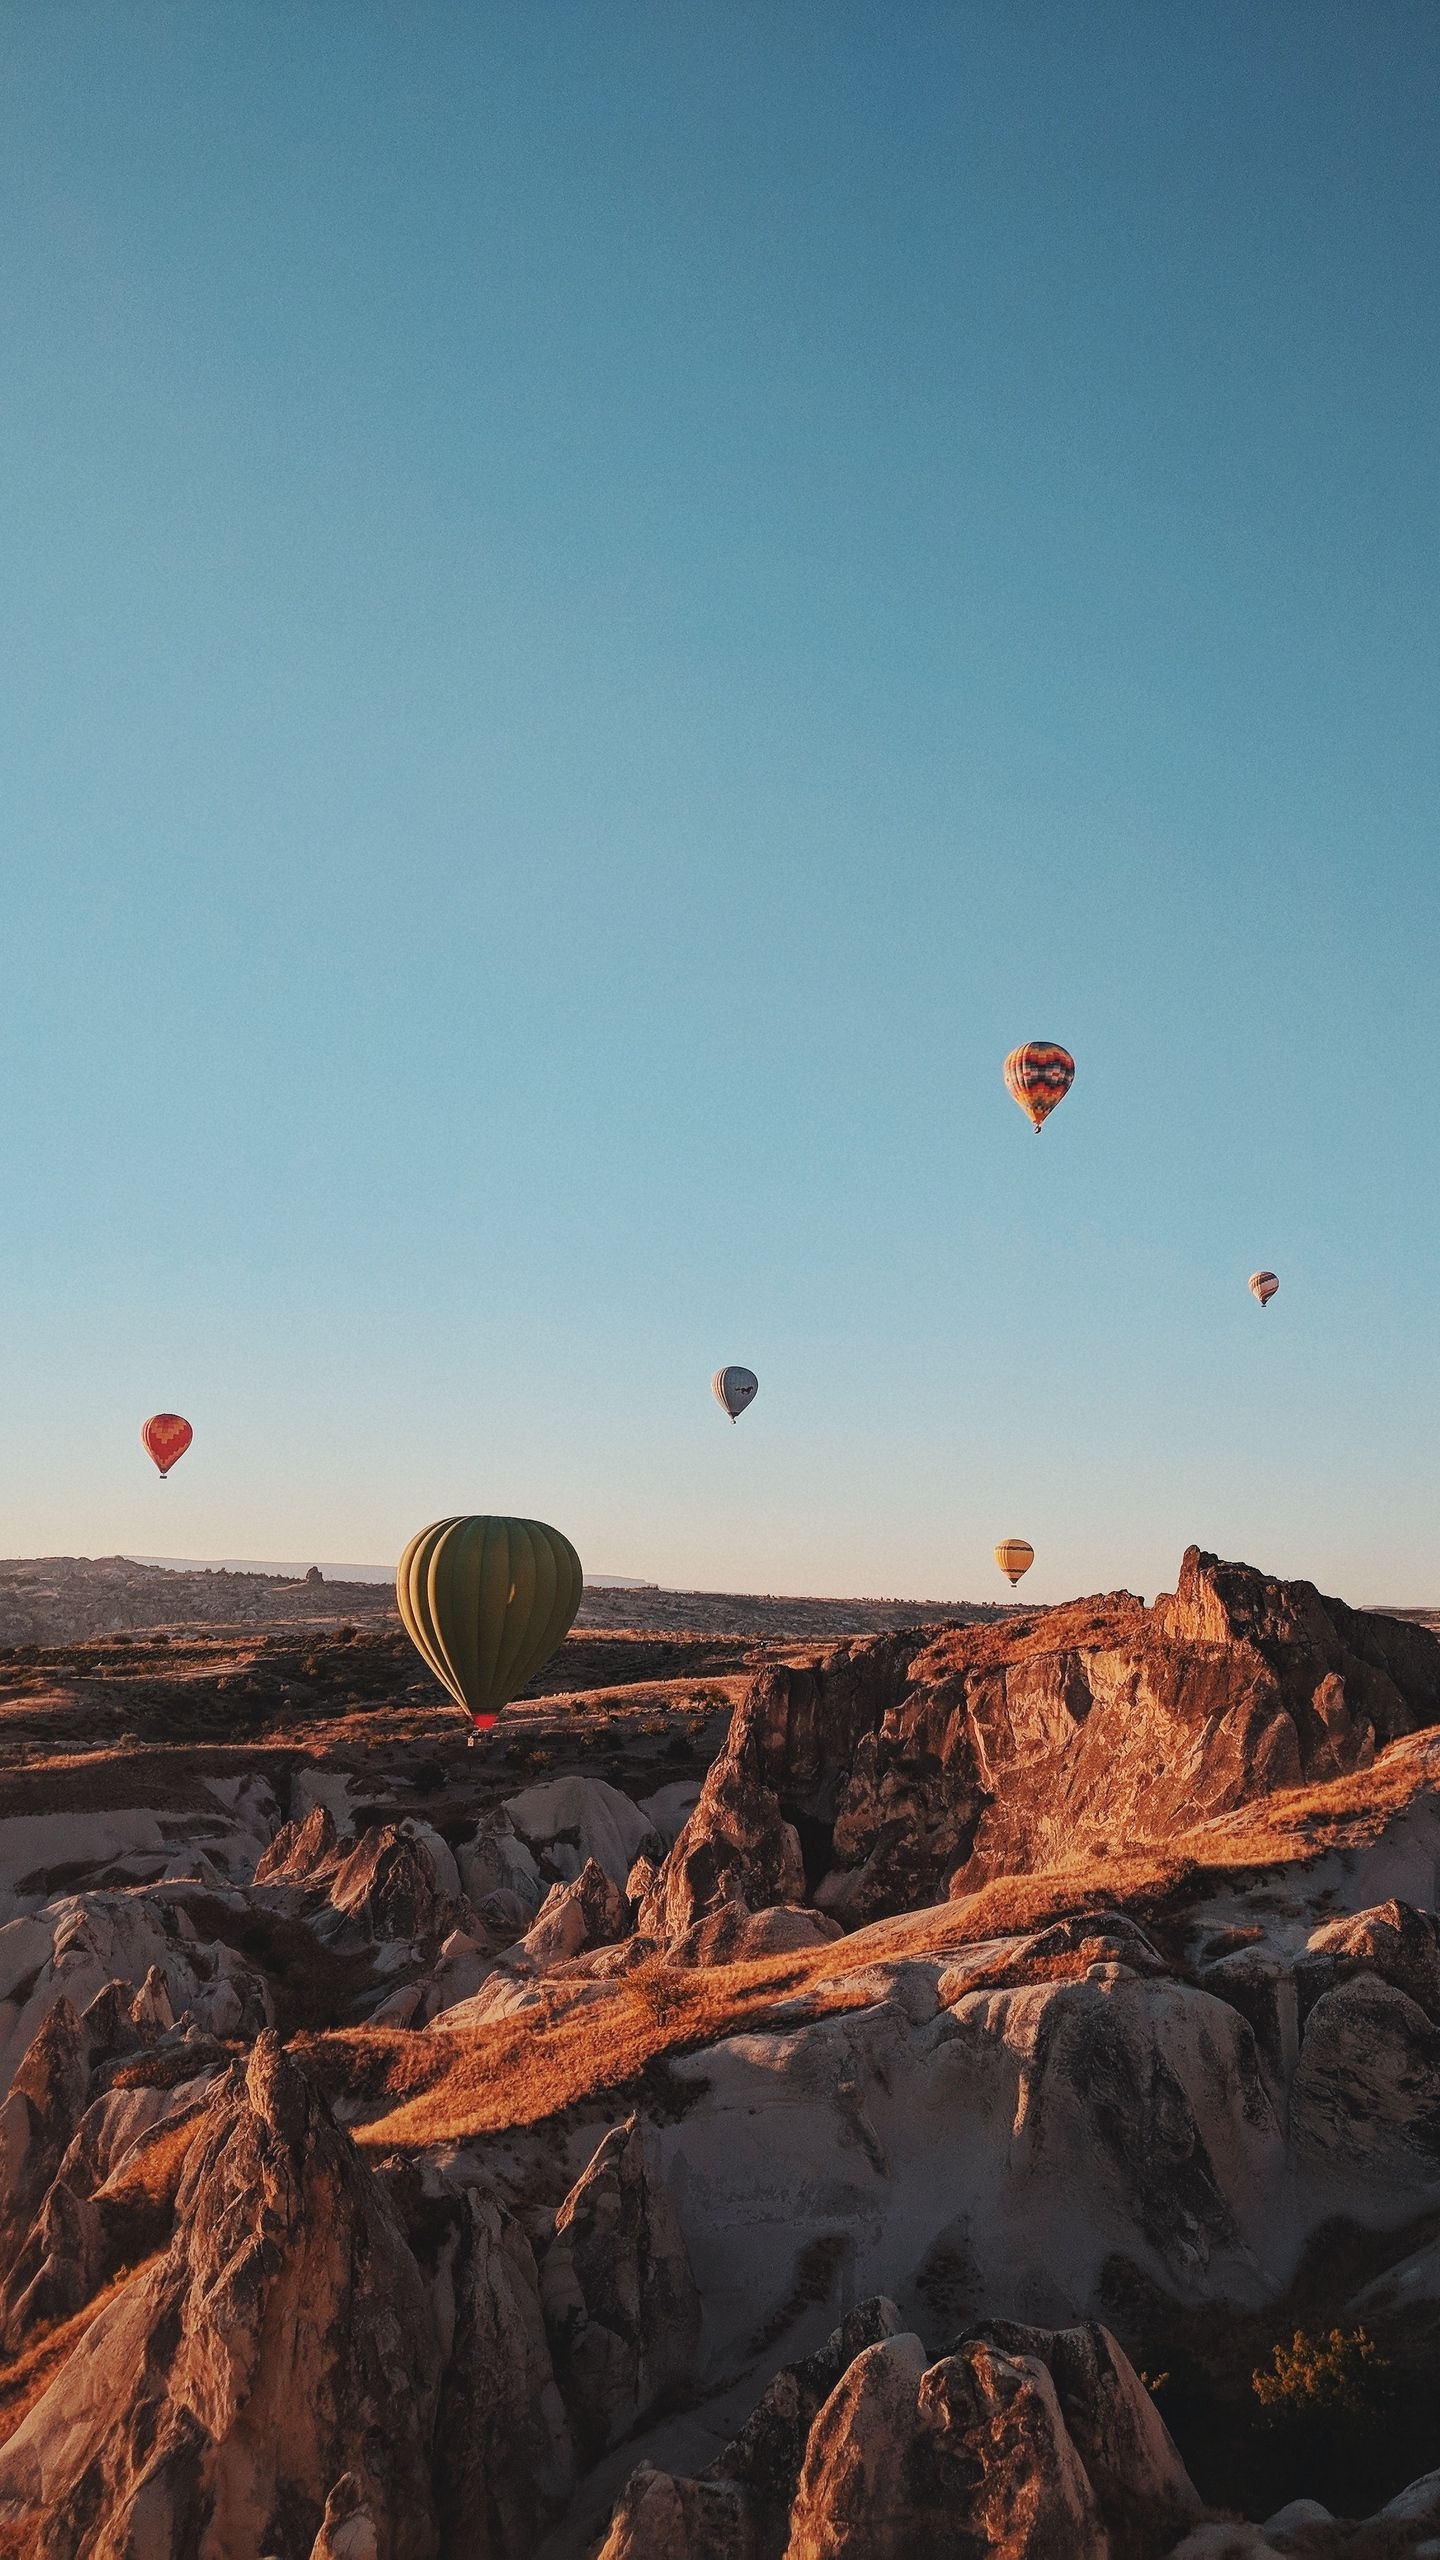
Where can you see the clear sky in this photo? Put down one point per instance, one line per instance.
(603, 603)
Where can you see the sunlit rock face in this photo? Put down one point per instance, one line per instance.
(902, 1769)
(1021, 2443)
(283, 2331)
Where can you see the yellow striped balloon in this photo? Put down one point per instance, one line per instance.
(1039, 1075)
(485, 1601)
(1014, 1556)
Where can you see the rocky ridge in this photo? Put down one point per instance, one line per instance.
(912, 2127)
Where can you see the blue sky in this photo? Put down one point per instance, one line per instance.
(604, 604)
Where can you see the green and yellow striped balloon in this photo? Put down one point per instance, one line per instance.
(485, 1601)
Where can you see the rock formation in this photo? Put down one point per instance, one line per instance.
(415, 2154)
(1021, 2443)
(282, 2339)
(620, 2302)
(914, 1766)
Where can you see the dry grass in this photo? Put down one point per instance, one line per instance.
(25, 2378)
(148, 2178)
(525, 2069)
(447, 2085)
(138, 2202)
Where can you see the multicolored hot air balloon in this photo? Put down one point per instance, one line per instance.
(733, 1389)
(485, 1601)
(1263, 1285)
(1014, 1556)
(166, 1437)
(1039, 1076)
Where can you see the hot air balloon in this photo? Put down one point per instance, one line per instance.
(166, 1436)
(733, 1389)
(1039, 1076)
(1014, 1556)
(485, 1601)
(1263, 1285)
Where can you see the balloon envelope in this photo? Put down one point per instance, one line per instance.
(1014, 1556)
(1039, 1075)
(1263, 1285)
(733, 1389)
(166, 1437)
(485, 1601)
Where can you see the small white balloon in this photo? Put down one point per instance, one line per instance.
(733, 1389)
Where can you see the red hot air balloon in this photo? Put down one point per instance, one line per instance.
(1039, 1076)
(166, 1436)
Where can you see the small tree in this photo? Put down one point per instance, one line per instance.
(1341, 2375)
(1326, 2405)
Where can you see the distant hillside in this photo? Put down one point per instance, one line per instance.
(774, 1615)
(340, 1572)
(62, 1599)
(65, 1599)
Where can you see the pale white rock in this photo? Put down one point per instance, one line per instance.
(285, 2325)
(24, 1947)
(670, 1808)
(504, 1916)
(970, 2454)
(498, 1996)
(498, 1861)
(398, 1885)
(339, 1793)
(503, 1993)
(253, 1809)
(114, 2122)
(95, 1938)
(505, 2461)
(398, 2008)
(621, 2310)
(1365, 2094)
(1419, 2504)
(197, 1868)
(590, 1912)
(1008, 2148)
(1288, 2519)
(441, 1855)
(392, 1956)
(152, 2005)
(587, 1816)
(858, 2451)
(463, 1966)
(33, 1846)
(134, 1844)
(575, 1921)
(348, 2530)
(251, 1800)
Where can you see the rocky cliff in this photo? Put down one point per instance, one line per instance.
(895, 1771)
(993, 2109)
